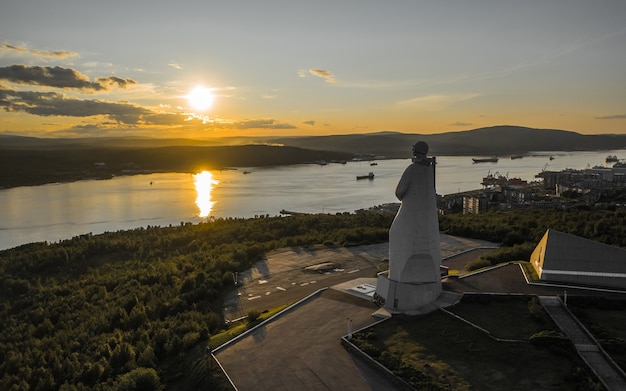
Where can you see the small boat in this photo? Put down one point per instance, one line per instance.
(513, 157)
(246, 172)
(551, 157)
(373, 164)
(369, 176)
(611, 159)
(493, 159)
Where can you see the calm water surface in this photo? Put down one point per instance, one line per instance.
(60, 211)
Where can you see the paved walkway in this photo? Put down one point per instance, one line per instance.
(301, 350)
(609, 374)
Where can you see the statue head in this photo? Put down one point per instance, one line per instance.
(420, 149)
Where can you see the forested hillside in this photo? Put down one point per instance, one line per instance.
(495, 140)
(103, 311)
(63, 163)
(123, 310)
(33, 161)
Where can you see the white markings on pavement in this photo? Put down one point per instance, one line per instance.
(254, 297)
(262, 282)
(353, 271)
(280, 288)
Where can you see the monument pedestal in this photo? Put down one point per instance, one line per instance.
(406, 297)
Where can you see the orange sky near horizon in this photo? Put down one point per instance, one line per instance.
(291, 68)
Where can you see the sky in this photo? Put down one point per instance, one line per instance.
(83, 68)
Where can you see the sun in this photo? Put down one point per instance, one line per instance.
(200, 98)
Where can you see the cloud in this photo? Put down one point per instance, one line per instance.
(112, 81)
(38, 53)
(262, 124)
(59, 77)
(459, 123)
(91, 129)
(167, 119)
(55, 104)
(311, 122)
(324, 74)
(434, 102)
(175, 65)
(616, 116)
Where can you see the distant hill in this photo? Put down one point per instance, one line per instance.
(32, 161)
(496, 140)
(64, 161)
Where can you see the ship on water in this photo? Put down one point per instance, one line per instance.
(369, 176)
(492, 159)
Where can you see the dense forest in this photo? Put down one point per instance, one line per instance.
(65, 163)
(122, 309)
(519, 231)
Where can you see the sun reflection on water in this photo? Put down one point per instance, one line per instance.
(204, 183)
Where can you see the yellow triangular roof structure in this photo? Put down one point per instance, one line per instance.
(569, 259)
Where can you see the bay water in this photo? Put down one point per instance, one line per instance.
(53, 212)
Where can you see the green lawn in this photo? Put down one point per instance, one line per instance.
(240, 327)
(439, 351)
(522, 316)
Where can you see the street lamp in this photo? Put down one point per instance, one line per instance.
(349, 328)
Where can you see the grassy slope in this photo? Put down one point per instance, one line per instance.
(443, 351)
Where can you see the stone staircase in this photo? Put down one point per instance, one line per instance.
(611, 376)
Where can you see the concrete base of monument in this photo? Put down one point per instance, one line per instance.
(367, 289)
(411, 299)
(445, 299)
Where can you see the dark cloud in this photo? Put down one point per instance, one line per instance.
(311, 122)
(59, 77)
(109, 82)
(91, 129)
(459, 123)
(55, 104)
(262, 124)
(39, 53)
(616, 116)
(154, 118)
